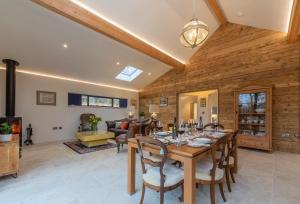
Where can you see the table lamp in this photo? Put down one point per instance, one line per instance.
(153, 109)
(131, 111)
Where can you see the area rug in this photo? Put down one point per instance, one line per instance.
(81, 149)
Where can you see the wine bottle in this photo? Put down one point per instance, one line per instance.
(174, 129)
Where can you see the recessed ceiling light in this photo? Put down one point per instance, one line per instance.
(65, 45)
(118, 63)
(239, 14)
(149, 73)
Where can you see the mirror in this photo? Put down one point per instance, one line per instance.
(196, 106)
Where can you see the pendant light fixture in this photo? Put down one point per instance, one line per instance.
(194, 32)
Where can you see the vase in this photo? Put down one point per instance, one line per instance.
(94, 128)
(5, 137)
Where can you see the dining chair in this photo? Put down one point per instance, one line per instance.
(210, 171)
(231, 158)
(158, 175)
(213, 126)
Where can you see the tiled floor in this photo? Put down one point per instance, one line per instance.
(53, 173)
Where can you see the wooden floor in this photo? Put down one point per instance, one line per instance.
(53, 173)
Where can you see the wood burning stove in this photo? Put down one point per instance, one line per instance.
(15, 122)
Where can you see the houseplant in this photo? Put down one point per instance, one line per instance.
(5, 132)
(93, 121)
(142, 115)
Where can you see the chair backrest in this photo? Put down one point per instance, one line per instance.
(213, 126)
(144, 126)
(148, 141)
(220, 145)
(133, 129)
(232, 144)
(84, 121)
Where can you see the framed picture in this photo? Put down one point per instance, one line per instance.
(163, 101)
(214, 110)
(46, 98)
(203, 102)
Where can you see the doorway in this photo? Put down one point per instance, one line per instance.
(199, 105)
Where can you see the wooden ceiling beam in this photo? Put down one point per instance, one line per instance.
(214, 6)
(80, 15)
(294, 22)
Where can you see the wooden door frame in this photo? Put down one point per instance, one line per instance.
(177, 100)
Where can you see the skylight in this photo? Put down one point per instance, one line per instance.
(129, 73)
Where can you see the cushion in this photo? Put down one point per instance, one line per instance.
(173, 175)
(124, 125)
(231, 161)
(203, 171)
(110, 124)
(118, 125)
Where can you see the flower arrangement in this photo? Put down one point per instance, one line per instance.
(93, 121)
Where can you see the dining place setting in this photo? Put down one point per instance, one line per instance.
(207, 156)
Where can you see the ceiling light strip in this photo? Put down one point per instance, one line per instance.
(71, 79)
(84, 6)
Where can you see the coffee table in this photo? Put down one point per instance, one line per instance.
(94, 138)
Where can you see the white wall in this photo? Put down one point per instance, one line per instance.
(43, 118)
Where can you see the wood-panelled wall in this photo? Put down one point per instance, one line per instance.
(236, 56)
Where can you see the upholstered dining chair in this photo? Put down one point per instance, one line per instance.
(134, 128)
(231, 158)
(210, 171)
(213, 126)
(157, 174)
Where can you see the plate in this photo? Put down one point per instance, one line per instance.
(162, 133)
(203, 140)
(192, 143)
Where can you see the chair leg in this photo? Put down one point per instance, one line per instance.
(143, 194)
(181, 198)
(212, 194)
(161, 197)
(231, 174)
(222, 191)
(118, 146)
(227, 178)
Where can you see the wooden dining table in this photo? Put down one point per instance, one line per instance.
(185, 154)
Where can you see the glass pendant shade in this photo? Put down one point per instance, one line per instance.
(194, 33)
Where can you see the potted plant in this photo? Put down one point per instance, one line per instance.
(93, 121)
(5, 132)
(142, 115)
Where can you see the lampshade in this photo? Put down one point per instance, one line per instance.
(194, 33)
(153, 108)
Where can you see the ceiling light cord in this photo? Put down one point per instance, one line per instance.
(194, 9)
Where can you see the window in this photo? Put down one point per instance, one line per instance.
(116, 103)
(84, 100)
(129, 73)
(75, 99)
(100, 101)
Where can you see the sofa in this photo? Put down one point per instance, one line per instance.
(116, 127)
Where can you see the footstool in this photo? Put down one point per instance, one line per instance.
(94, 138)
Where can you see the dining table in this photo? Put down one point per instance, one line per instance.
(186, 154)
